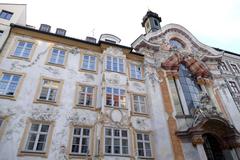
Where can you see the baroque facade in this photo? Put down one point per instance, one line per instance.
(166, 97)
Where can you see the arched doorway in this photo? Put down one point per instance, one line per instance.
(212, 147)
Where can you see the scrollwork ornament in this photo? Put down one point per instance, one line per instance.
(44, 114)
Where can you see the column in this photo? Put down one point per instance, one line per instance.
(198, 141)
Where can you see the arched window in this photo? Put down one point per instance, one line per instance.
(190, 88)
(176, 44)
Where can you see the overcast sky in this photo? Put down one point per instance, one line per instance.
(213, 22)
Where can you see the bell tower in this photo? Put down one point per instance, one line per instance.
(151, 22)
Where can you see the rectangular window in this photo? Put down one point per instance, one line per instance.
(23, 49)
(57, 56)
(6, 15)
(9, 83)
(234, 87)
(223, 66)
(116, 141)
(139, 104)
(136, 71)
(49, 90)
(80, 141)
(85, 96)
(37, 137)
(115, 64)
(115, 97)
(235, 69)
(1, 33)
(89, 62)
(144, 145)
(1, 122)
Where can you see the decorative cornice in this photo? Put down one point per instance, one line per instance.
(148, 41)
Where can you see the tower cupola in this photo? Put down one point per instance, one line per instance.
(151, 22)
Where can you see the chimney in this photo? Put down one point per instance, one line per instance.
(91, 39)
(45, 28)
(61, 32)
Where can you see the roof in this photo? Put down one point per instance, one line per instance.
(75, 39)
(221, 50)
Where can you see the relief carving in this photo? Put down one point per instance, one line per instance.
(18, 65)
(114, 117)
(81, 118)
(44, 113)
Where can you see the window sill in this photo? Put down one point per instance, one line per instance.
(92, 108)
(145, 158)
(56, 65)
(54, 103)
(77, 156)
(115, 107)
(19, 58)
(138, 80)
(140, 114)
(28, 153)
(123, 73)
(86, 70)
(8, 97)
(118, 155)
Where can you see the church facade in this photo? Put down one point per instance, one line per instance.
(167, 97)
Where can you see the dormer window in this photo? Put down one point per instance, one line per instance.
(176, 44)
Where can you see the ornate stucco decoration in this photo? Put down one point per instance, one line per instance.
(158, 42)
(74, 51)
(44, 113)
(207, 119)
(19, 65)
(114, 117)
(81, 118)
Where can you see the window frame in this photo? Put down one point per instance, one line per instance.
(94, 96)
(120, 137)
(112, 64)
(91, 141)
(39, 90)
(17, 90)
(48, 62)
(22, 50)
(23, 152)
(135, 70)
(134, 112)
(149, 133)
(235, 68)
(14, 46)
(233, 86)
(223, 66)
(118, 95)
(176, 43)
(6, 12)
(87, 69)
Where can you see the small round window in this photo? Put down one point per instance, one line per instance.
(176, 44)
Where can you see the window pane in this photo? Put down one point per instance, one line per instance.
(44, 128)
(108, 132)
(77, 131)
(75, 148)
(34, 127)
(124, 133)
(86, 132)
(44, 93)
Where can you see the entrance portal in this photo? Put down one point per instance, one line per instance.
(212, 148)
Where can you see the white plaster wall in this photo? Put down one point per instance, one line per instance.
(23, 108)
